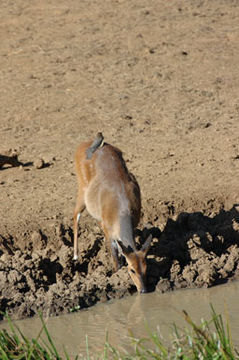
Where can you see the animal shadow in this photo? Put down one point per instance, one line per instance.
(194, 250)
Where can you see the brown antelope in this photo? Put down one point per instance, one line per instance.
(111, 194)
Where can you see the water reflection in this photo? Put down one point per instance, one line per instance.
(133, 314)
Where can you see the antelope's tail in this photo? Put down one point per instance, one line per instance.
(97, 143)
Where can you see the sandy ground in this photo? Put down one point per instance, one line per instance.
(160, 79)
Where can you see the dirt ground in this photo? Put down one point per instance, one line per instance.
(160, 79)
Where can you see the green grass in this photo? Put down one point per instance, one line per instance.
(14, 345)
(211, 340)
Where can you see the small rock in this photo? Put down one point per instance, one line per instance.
(39, 163)
(48, 159)
(151, 50)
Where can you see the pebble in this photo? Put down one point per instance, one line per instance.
(39, 163)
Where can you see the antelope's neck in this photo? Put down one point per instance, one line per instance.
(126, 231)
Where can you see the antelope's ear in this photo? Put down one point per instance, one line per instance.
(146, 245)
(126, 250)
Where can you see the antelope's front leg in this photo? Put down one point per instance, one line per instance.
(80, 206)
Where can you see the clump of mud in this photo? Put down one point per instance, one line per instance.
(38, 274)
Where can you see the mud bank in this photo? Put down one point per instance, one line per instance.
(192, 250)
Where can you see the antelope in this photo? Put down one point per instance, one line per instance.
(111, 195)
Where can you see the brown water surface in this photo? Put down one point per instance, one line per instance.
(134, 314)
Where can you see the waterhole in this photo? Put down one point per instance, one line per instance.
(135, 315)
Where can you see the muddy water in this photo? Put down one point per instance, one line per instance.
(133, 313)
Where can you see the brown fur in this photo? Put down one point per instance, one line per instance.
(111, 194)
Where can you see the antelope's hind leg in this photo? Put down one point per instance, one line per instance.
(79, 208)
(115, 255)
(112, 247)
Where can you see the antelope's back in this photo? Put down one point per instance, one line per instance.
(113, 169)
(106, 176)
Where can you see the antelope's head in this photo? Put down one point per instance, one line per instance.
(137, 264)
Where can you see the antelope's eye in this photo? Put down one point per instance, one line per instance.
(133, 271)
